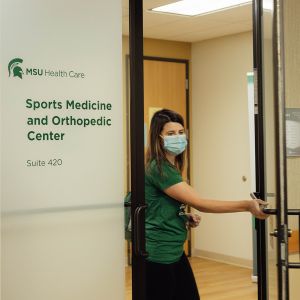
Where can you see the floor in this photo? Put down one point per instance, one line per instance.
(216, 281)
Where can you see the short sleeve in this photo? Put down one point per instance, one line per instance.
(168, 176)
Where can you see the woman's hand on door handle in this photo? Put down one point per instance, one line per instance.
(256, 207)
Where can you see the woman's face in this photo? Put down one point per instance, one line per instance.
(172, 128)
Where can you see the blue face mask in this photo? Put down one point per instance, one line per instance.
(175, 144)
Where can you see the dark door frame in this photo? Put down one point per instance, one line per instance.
(260, 226)
(137, 148)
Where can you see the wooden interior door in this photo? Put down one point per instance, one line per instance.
(166, 86)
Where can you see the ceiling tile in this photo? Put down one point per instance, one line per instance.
(190, 29)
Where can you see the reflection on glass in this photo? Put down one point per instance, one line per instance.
(126, 76)
(294, 252)
(294, 257)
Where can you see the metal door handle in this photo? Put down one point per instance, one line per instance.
(138, 249)
(270, 211)
(275, 233)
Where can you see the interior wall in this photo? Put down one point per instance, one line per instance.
(292, 90)
(161, 48)
(220, 143)
(292, 73)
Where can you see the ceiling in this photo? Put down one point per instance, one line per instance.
(190, 29)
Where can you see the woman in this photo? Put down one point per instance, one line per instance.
(168, 272)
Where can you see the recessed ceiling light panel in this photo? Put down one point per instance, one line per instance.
(199, 7)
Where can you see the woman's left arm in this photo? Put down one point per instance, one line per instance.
(184, 193)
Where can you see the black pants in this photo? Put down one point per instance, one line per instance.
(174, 281)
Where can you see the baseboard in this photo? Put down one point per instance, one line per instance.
(227, 259)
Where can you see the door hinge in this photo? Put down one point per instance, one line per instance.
(186, 84)
(255, 83)
(283, 234)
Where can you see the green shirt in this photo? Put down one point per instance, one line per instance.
(165, 228)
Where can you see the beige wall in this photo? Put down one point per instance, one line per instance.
(220, 142)
(161, 48)
(292, 63)
(292, 73)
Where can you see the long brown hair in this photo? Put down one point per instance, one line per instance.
(155, 150)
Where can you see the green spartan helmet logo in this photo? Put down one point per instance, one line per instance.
(14, 68)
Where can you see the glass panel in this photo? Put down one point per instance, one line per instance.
(294, 257)
(126, 124)
(62, 188)
(292, 73)
(67, 255)
(270, 171)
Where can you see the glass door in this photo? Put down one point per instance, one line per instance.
(61, 159)
(277, 147)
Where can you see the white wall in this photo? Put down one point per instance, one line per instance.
(220, 141)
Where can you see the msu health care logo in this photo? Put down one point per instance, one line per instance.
(14, 68)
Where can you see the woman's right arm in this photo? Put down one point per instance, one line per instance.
(184, 193)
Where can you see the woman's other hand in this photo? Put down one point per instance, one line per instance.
(256, 207)
(193, 220)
